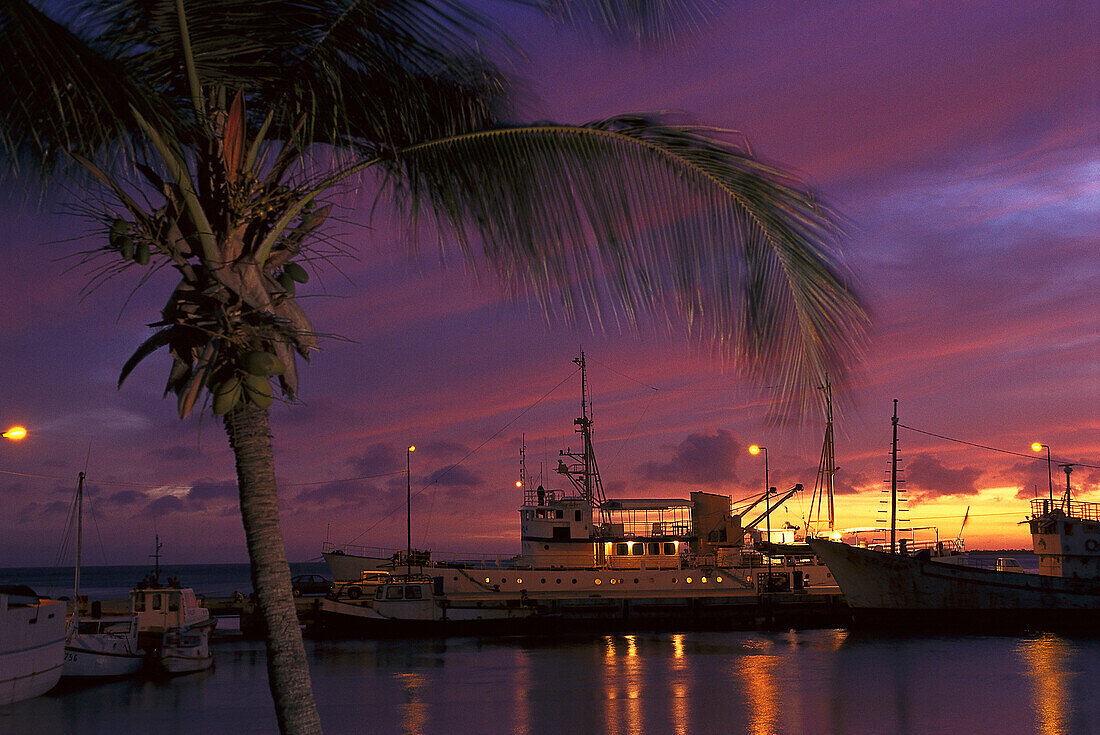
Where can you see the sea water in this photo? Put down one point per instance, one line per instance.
(808, 681)
(811, 681)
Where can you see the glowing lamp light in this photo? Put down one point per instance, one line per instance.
(15, 433)
(412, 448)
(1035, 447)
(754, 449)
(519, 483)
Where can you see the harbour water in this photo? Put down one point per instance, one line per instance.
(820, 681)
(810, 681)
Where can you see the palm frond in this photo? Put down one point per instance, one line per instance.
(61, 94)
(645, 21)
(635, 215)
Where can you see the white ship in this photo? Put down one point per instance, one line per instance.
(586, 557)
(32, 643)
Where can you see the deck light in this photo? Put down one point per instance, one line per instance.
(15, 433)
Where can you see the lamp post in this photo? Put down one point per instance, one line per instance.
(754, 449)
(408, 506)
(1038, 447)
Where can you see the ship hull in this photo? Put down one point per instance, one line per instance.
(885, 590)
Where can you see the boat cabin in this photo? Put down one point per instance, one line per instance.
(161, 609)
(1065, 535)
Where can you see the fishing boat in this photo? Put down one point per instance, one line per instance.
(173, 626)
(585, 557)
(97, 646)
(906, 588)
(32, 643)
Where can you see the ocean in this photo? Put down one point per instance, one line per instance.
(830, 681)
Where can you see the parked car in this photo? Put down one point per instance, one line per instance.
(364, 587)
(310, 584)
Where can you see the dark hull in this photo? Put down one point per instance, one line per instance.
(894, 591)
(555, 616)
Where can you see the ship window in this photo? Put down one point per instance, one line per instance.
(542, 581)
(635, 580)
(688, 580)
(155, 603)
(574, 581)
(559, 514)
(670, 548)
(561, 532)
(139, 604)
(718, 580)
(558, 580)
(674, 580)
(638, 549)
(394, 593)
(173, 603)
(703, 580)
(654, 549)
(577, 516)
(413, 593)
(378, 594)
(621, 549)
(546, 547)
(599, 581)
(1069, 529)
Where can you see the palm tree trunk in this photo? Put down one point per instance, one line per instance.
(287, 668)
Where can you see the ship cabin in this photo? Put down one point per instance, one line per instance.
(161, 609)
(560, 532)
(1065, 535)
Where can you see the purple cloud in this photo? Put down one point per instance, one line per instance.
(702, 459)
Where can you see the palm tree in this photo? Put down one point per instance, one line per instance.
(210, 137)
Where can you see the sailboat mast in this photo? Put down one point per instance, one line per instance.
(79, 541)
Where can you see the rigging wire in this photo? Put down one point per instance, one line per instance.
(993, 449)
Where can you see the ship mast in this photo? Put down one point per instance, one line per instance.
(894, 482)
(586, 475)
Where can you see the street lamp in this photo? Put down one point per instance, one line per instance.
(754, 449)
(408, 506)
(1038, 447)
(15, 433)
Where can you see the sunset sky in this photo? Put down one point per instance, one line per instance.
(960, 140)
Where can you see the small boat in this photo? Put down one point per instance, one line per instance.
(172, 627)
(895, 589)
(98, 647)
(416, 604)
(103, 647)
(32, 643)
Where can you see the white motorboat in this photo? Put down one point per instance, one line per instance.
(173, 627)
(32, 643)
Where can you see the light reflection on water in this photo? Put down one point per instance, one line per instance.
(829, 682)
(1048, 660)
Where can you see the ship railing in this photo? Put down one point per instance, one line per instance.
(1074, 508)
(379, 552)
(437, 558)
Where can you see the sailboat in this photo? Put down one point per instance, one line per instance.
(101, 647)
